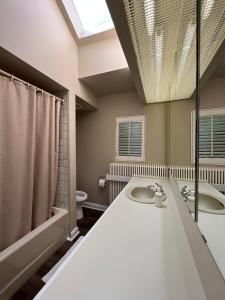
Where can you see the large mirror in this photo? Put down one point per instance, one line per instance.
(210, 188)
(211, 133)
(210, 143)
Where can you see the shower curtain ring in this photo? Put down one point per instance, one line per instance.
(12, 78)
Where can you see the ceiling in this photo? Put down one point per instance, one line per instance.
(114, 82)
(82, 105)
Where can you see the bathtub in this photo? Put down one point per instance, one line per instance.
(20, 260)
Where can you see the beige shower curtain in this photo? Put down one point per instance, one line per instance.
(29, 127)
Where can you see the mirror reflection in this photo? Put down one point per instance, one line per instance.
(211, 135)
(211, 139)
(212, 162)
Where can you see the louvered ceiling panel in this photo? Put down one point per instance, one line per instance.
(163, 34)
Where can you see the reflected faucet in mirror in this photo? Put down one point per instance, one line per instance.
(187, 193)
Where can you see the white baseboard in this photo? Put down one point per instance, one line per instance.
(95, 206)
(74, 233)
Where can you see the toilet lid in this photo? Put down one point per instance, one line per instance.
(81, 196)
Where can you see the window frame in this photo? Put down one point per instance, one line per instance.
(205, 112)
(130, 119)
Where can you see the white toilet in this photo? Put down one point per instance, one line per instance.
(80, 198)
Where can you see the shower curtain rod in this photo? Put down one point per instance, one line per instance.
(27, 83)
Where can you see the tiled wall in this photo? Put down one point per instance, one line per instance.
(62, 190)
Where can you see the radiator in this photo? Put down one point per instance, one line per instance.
(206, 174)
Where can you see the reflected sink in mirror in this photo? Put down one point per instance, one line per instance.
(209, 204)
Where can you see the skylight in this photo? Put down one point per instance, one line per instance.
(94, 16)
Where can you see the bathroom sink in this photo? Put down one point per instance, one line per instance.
(141, 194)
(208, 203)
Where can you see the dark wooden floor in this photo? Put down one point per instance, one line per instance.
(34, 284)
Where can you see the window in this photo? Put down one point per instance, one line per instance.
(93, 15)
(130, 138)
(211, 136)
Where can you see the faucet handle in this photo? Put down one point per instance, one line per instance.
(159, 187)
(184, 188)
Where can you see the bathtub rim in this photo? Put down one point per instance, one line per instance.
(57, 214)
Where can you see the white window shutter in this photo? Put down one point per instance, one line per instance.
(211, 136)
(130, 138)
(205, 141)
(136, 139)
(123, 143)
(218, 137)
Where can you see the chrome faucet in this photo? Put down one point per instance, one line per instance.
(151, 186)
(155, 186)
(161, 188)
(186, 193)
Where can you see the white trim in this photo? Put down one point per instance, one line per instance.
(60, 262)
(74, 233)
(212, 161)
(73, 17)
(212, 111)
(95, 206)
(130, 158)
(118, 178)
(205, 112)
(193, 136)
(130, 119)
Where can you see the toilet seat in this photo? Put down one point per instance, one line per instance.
(81, 196)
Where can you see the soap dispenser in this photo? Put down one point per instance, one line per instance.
(158, 198)
(191, 197)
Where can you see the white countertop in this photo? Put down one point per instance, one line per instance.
(131, 253)
(212, 226)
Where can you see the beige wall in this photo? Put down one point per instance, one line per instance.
(36, 32)
(179, 145)
(212, 96)
(101, 57)
(96, 139)
(213, 93)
